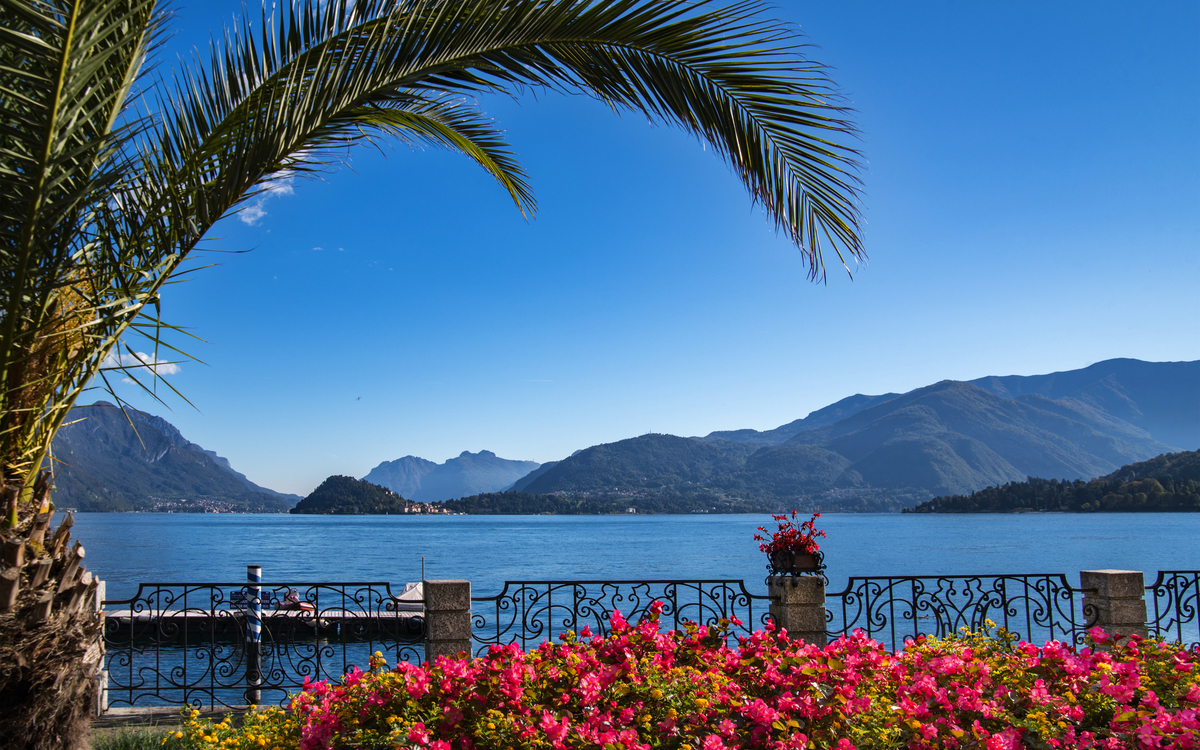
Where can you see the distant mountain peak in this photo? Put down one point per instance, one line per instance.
(468, 474)
(480, 454)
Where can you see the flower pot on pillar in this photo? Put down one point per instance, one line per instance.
(793, 549)
(791, 563)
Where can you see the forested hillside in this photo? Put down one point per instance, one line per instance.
(1168, 483)
(877, 454)
(340, 495)
(524, 503)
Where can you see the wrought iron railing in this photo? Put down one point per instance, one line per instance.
(1174, 610)
(893, 608)
(186, 643)
(529, 612)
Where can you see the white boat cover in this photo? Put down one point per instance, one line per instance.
(411, 599)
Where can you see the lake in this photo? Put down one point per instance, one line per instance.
(125, 549)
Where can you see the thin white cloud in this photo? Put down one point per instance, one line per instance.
(138, 362)
(253, 213)
(278, 184)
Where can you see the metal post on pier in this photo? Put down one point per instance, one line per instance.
(254, 635)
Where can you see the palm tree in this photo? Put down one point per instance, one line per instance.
(109, 178)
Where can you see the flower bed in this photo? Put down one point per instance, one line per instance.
(641, 688)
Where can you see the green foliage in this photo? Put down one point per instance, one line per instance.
(347, 496)
(73, 282)
(1169, 483)
(129, 738)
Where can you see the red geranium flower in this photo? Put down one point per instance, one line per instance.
(790, 537)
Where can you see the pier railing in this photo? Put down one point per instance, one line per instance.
(196, 643)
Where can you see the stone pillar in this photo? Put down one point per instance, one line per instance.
(1116, 599)
(798, 606)
(447, 618)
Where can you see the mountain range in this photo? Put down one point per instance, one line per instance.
(470, 474)
(864, 452)
(953, 437)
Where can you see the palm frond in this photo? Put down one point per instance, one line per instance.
(313, 78)
(66, 71)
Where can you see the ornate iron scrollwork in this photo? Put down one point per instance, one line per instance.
(1176, 603)
(529, 612)
(891, 609)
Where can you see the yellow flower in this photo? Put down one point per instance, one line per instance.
(491, 725)
(656, 694)
(701, 702)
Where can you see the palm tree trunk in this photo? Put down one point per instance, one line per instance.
(51, 644)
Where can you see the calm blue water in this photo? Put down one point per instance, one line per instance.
(125, 549)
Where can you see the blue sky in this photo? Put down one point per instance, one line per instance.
(1032, 204)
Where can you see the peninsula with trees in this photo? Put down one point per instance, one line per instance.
(1169, 483)
(347, 496)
